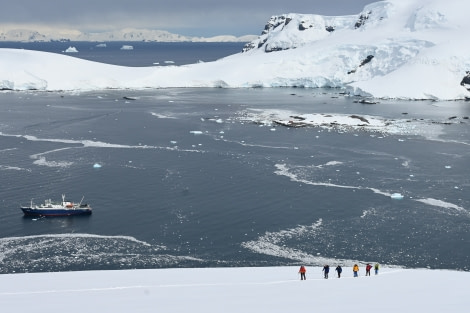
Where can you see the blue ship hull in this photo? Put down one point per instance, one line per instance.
(56, 212)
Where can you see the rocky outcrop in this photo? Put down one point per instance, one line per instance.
(466, 81)
(303, 28)
(364, 62)
(362, 19)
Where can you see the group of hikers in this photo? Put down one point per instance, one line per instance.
(339, 270)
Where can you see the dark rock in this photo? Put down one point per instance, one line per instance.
(364, 62)
(268, 48)
(367, 60)
(362, 20)
(248, 46)
(261, 43)
(466, 81)
(298, 117)
(364, 101)
(330, 29)
(362, 119)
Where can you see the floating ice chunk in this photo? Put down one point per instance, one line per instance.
(448, 166)
(397, 196)
(96, 165)
(127, 47)
(71, 50)
(196, 132)
(43, 162)
(273, 129)
(174, 142)
(101, 45)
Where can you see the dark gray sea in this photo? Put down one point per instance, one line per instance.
(202, 177)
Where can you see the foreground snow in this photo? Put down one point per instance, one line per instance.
(276, 289)
(414, 49)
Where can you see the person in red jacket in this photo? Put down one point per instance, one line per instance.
(368, 268)
(302, 272)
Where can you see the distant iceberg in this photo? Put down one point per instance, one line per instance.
(127, 47)
(101, 45)
(397, 196)
(71, 50)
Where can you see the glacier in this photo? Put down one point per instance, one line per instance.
(415, 49)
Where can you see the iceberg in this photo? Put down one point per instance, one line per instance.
(71, 50)
(397, 196)
(127, 47)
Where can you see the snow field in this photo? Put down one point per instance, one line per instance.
(272, 289)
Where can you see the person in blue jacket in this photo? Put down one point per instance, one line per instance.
(326, 270)
(339, 270)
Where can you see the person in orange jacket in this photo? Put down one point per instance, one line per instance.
(355, 269)
(302, 272)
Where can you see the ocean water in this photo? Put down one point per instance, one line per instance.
(204, 177)
(142, 54)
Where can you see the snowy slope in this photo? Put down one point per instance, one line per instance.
(412, 49)
(276, 289)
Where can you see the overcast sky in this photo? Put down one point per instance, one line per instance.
(186, 17)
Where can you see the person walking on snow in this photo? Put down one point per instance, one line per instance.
(376, 268)
(355, 270)
(368, 268)
(339, 270)
(302, 272)
(326, 270)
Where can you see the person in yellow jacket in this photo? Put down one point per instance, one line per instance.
(355, 270)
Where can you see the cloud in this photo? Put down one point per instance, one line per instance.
(202, 17)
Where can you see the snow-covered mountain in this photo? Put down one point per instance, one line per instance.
(389, 45)
(411, 49)
(127, 34)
